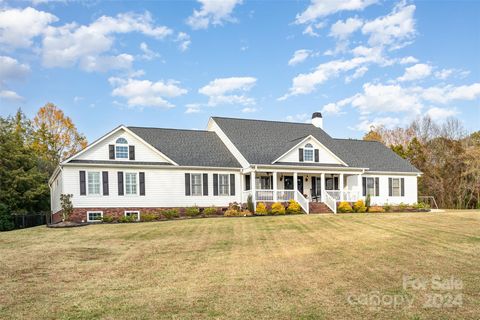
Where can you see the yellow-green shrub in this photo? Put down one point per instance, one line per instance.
(359, 206)
(210, 211)
(293, 207)
(261, 209)
(376, 209)
(147, 217)
(278, 208)
(344, 207)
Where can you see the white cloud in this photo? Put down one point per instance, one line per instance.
(10, 96)
(444, 73)
(19, 26)
(71, 44)
(360, 72)
(440, 114)
(212, 12)
(408, 60)
(342, 30)
(322, 8)
(416, 72)
(145, 93)
(105, 63)
(299, 56)
(310, 29)
(300, 117)
(148, 54)
(192, 108)
(12, 69)
(387, 122)
(184, 40)
(449, 93)
(249, 110)
(225, 91)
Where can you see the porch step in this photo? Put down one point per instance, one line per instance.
(319, 207)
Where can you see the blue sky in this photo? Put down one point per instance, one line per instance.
(176, 63)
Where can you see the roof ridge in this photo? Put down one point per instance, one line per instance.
(173, 129)
(260, 120)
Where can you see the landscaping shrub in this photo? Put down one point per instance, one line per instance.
(67, 206)
(147, 217)
(402, 206)
(367, 201)
(246, 213)
(126, 219)
(108, 219)
(250, 206)
(234, 206)
(170, 213)
(192, 211)
(344, 207)
(278, 208)
(233, 213)
(376, 209)
(422, 206)
(261, 209)
(210, 211)
(387, 207)
(293, 207)
(6, 221)
(359, 206)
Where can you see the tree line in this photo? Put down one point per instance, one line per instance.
(447, 155)
(30, 150)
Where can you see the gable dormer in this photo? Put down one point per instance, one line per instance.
(122, 145)
(310, 150)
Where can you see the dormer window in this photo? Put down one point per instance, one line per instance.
(308, 153)
(121, 148)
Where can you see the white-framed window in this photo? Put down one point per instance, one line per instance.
(94, 216)
(131, 183)
(396, 187)
(224, 184)
(370, 184)
(133, 213)
(93, 183)
(196, 181)
(121, 148)
(308, 153)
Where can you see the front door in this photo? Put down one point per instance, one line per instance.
(300, 184)
(288, 183)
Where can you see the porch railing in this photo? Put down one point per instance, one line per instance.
(349, 196)
(283, 196)
(303, 202)
(331, 202)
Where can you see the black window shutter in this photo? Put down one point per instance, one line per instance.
(402, 181)
(120, 183)
(83, 187)
(300, 154)
(111, 152)
(377, 187)
(314, 186)
(187, 184)
(317, 156)
(205, 184)
(105, 182)
(335, 183)
(215, 184)
(364, 186)
(247, 182)
(232, 184)
(131, 152)
(141, 176)
(390, 193)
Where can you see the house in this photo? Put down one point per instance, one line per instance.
(133, 170)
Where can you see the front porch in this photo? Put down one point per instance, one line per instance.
(304, 186)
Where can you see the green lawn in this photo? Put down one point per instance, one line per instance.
(286, 267)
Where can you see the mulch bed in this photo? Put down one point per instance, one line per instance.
(67, 224)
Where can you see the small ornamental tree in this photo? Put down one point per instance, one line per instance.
(6, 222)
(250, 206)
(67, 206)
(359, 206)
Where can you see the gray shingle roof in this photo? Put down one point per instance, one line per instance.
(130, 163)
(262, 142)
(189, 147)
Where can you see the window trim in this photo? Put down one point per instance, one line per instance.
(132, 211)
(137, 183)
(121, 144)
(201, 184)
(94, 211)
(100, 183)
(308, 147)
(374, 187)
(399, 187)
(227, 184)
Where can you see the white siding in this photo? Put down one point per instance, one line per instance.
(163, 188)
(213, 126)
(55, 191)
(142, 151)
(383, 198)
(325, 156)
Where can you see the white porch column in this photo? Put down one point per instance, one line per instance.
(295, 185)
(359, 186)
(322, 186)
(252, 187)
(275, 193)
(341, 186)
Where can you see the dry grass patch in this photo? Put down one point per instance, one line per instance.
(269, 267)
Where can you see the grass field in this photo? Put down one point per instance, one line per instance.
(301, 267)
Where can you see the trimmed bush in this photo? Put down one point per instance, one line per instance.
(126, 219)
(147, 217)
(387, 207)
(293, 207)
(192, 211)
(261, 209)
(108, 219)
(210, 211)
(359, 206)
(278, 208)
(402, 206)
(376, 209)
(250, 206)
(170, 213)
(367, 201)
(344, 207)
(233, 213)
